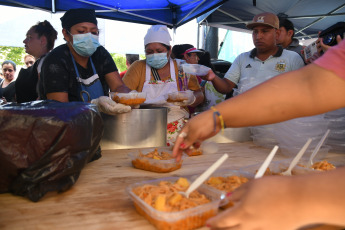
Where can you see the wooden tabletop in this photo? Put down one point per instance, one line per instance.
(98, 200)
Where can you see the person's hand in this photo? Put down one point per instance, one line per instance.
(321, 47)
(108, 106)
(265, 203)
(210, 76)
(197, 129)
(3, 101)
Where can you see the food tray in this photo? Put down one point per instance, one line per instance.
(182, 220)
(128, 98)
(222, 193)
(153, 165)
(179, 96)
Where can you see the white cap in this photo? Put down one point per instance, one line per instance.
(157, 33)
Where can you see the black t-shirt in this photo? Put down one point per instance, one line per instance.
(58, 73)
(8, 92)
(26, 84)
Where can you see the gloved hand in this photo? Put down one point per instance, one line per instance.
(108, 106)
(190, 98)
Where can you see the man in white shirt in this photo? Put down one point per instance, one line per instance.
(265, 61)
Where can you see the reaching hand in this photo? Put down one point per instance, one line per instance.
(108, 106)
(265, 203)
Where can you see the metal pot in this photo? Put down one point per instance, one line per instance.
(144, 127)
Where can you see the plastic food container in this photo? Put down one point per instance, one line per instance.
(154, 165)
(195, 69)
(182, 220)
(233, 179)
(276, 167)
(128, 98)
(179, 96)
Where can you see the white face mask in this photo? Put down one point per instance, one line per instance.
(85, 44)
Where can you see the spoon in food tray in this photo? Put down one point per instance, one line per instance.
(267, 161)
(204, 175)
(317, 148)
(297, 158)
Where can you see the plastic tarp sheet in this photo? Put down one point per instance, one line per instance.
(44, 145)
(308, 16)
(172, 13)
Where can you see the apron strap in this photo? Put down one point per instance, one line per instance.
(155, 74)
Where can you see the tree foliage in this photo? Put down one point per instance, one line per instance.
(15, 54)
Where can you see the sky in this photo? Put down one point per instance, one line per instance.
(116, 36)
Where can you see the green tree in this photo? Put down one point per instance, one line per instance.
(120, 61)
(15, 54)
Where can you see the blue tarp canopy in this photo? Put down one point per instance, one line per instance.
(308, 16)
(172, 13)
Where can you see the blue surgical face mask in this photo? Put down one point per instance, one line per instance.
(85, 44)
(157, 60)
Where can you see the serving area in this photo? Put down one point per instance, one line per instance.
(99, 200)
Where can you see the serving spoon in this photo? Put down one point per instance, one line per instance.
(297, 158)
(198, 181)
(317, 148)
(265, 164)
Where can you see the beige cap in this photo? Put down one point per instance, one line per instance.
(266, 18)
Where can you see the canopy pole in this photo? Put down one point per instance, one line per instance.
(53, 6)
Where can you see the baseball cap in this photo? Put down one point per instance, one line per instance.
(268, 19)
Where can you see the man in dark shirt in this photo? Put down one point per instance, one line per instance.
(286, 38)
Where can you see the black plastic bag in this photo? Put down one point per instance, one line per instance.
(44, 145)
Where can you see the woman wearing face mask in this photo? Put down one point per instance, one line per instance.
(7, 89)
(158, 76)
(81, 69)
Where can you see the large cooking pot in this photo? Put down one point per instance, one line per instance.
(144, 127)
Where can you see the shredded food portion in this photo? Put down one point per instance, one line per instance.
(323, 166)
(128, 101)
(157, 155)
(166, 197)
(156, 161)
(227, 184)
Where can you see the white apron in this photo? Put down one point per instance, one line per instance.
(156, 93)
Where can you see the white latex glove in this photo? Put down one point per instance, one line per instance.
(108, 106)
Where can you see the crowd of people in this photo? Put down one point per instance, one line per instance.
(83, 70)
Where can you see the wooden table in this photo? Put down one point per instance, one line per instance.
(98, 199)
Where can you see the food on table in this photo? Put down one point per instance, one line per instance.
(155, 161)
(161, 203)
(195, 152)
(166, 197)
(323, 166)
(226, 184)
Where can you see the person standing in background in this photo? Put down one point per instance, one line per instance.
(40, 39)
(7, 89)
(286, 38)
(29, 60)
(130, 58)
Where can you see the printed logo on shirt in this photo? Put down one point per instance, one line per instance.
(281, 66)
(248, 66)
